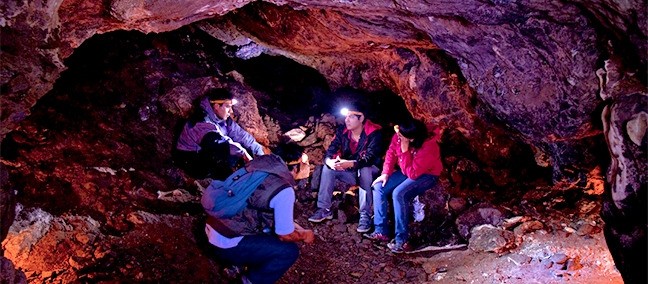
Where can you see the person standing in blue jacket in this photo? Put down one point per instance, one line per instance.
(211, 142)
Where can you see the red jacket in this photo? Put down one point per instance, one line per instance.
(414, 162)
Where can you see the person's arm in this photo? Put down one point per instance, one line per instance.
(427, 157)
(240, 135)
(335, 147)
(391, 157)
(334, 150)
(372, 152)
(285, 228)
(299, 234)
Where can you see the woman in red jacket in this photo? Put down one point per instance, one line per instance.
(416, 152)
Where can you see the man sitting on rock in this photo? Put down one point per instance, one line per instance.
(262, 236)
(353, 157)
(211, 143)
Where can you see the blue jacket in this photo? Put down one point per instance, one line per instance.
(228, 130)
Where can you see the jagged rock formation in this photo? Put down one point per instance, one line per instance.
(625, 120)
(496, 73)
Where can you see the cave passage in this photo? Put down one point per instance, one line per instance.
(99, 145)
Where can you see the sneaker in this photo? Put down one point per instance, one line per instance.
(365, 224)
(377, 237)
(398, 247)
(321, 215)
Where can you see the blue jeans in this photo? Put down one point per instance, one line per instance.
(402, 191)
(362, 177)
(266, 257)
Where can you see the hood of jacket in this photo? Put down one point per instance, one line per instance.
(207, 108)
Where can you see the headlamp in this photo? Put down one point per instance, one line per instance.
(220, 102)
(303, 160)
(345, 111)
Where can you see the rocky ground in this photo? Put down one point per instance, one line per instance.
(553, 246)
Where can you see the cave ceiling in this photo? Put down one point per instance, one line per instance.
(528, 65)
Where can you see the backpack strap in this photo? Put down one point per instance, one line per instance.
(221, 228)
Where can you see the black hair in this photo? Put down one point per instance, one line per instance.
(289, 152)
(359, 106)
(218, 94)
(354, 100)
(416, 130)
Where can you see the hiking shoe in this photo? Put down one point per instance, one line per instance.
(397, 247)
(321, 215)
(365, 224)
(377, 237)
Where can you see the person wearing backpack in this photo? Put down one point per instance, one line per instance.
(259, 233)
(211, 143)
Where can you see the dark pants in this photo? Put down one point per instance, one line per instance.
(266, 257)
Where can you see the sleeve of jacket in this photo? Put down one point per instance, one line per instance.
(391, 157)
(414, 167)
(238, 134)
(336, 145)
(373, 152)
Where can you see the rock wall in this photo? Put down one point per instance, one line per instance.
(625, 121)
(528, 65)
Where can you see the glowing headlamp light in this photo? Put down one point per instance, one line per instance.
(345, 111)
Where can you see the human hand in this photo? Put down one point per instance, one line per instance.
(308, 236)
(343, 165)
(331, 163)
(382, 178)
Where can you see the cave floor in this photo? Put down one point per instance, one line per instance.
(163, 247)
(340, 255)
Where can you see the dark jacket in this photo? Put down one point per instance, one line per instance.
(369, 148)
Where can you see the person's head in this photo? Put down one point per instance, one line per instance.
(414, 130)
(355, 116)
(291, 154)
(222, 101)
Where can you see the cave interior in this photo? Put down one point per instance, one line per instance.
(94, 196)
